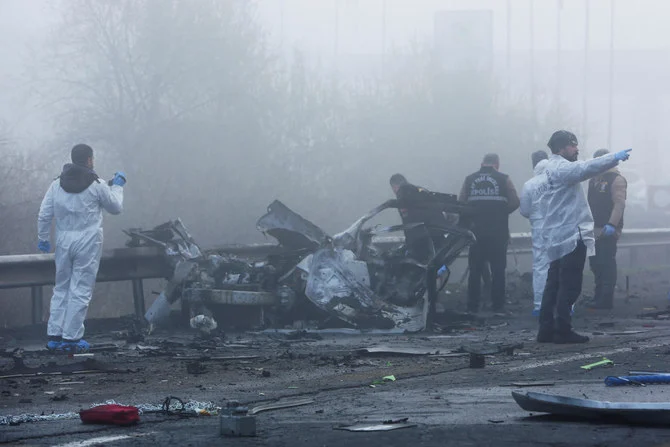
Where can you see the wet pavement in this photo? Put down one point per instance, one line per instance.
(449, 402)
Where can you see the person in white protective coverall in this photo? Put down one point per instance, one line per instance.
(76, 200)
(567, 231)
(530, 209)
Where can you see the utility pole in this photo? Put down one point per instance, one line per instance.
(383, 36)
(282, 5)
(559, 68)
(533, 105)
(509, 40)
(585, 98)
(611, 91)
(336, 43)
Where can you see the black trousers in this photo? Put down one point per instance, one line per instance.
(491, 249)
(423, 245)
(603, 266)
(564, 285)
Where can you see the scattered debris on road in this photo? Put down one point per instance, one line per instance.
(603, 362)
(348, 277)
(383, 426)
(112, 414)
(645, 413)
(531, 384)
(280, 405)
(644, 379)
(235, 420)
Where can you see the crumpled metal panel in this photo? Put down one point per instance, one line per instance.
(625, 412)
(234, 297)
(289, 228)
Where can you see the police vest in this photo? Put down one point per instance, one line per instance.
(600, 198)
(486, 192)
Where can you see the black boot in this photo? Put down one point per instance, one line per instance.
(545, 335)
(569, 337)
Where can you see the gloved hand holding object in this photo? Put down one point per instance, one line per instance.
(608, 230)
(622, 155)
(119, 179)
(44, 246)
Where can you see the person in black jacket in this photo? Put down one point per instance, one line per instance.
(423, 241)
(493, 197)
(607, 200)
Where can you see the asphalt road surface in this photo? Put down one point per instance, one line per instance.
(450, 403)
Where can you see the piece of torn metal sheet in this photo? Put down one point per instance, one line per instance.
(529, 384)
(280, 405)
(624, 412)
(207, 358)
(332, 331)
(382, 426)
(397, 351)
(234, 297)
(646, 373)
(87, 366)
(618, 333)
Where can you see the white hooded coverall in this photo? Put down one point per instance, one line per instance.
(78, 250)
(530, 208)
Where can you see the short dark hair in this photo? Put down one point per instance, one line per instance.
(560, 140)
(397, 179)
(600, 153)
(81, 153)
(538, 156)
(491, 159)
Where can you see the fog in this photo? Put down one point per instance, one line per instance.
(216, 108)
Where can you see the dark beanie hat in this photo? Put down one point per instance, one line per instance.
(561, 139)
(538, 156)
(81, 153)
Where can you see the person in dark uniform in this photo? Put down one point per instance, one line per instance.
(493, 197)
(607, 200)
(422, 242)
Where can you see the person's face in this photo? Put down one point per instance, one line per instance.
(89, 163)
(395, 188)
(570, 153)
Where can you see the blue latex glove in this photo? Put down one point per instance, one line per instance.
(622, 155)
(119, 179)
(608, 230)
(44, 246)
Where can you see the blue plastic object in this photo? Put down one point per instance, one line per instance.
(54, 345)
(119, 179)
(442, 270)
(608, 230)
(75, 347)
(637, 380)
(44, 246)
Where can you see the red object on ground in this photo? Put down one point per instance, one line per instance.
(110, 414)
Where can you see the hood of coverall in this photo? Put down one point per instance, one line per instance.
(75, 179)
(540, 167)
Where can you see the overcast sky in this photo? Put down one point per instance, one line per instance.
(311, 25)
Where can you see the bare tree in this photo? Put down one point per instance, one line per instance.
(183, 95)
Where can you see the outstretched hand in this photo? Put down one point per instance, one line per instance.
(622, 155)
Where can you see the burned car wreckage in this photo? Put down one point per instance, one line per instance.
(354, 278)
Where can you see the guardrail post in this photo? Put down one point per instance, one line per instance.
(138, 297)
(633, 256)
(36, 298)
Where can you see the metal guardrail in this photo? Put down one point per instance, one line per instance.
(137, 264)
